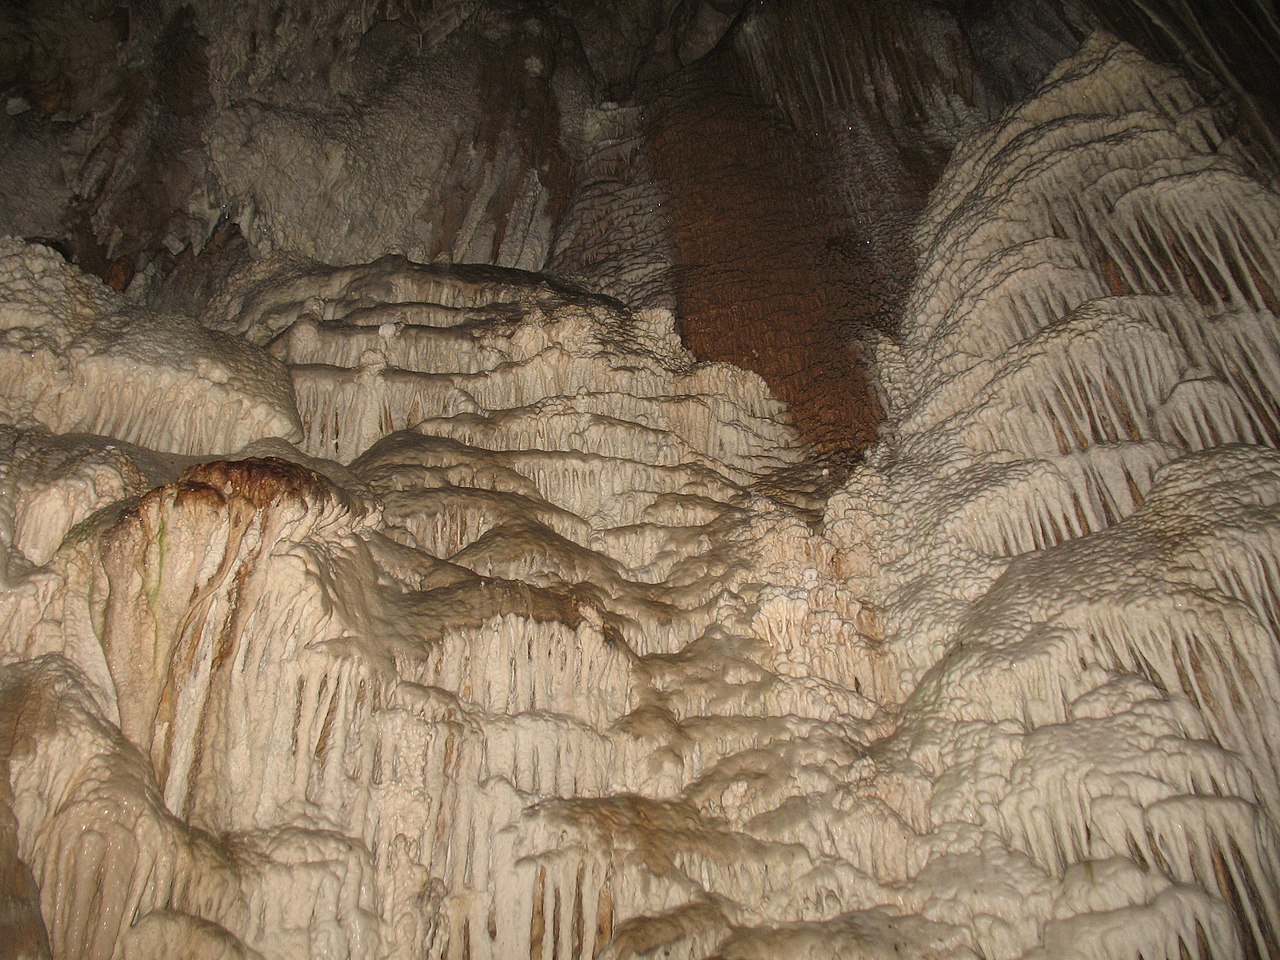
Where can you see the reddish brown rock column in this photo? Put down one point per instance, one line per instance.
(753, 268)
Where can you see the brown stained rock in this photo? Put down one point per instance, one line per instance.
(758, 283)
(120, 273)
(261, 481)
(794, 162)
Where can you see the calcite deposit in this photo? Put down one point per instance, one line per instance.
(390, 573)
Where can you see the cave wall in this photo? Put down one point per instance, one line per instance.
(393, 566)
(620, 146)
(755, 166)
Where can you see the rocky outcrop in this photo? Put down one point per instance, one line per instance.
(397, 609)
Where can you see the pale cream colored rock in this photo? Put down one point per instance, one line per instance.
(77, 358)
(547, 643)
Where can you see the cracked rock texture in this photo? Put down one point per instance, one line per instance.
(700, 480)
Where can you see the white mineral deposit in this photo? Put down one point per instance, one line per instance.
(390, 580)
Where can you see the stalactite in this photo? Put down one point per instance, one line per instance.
(548, 641)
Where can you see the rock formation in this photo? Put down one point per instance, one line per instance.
(403, 572)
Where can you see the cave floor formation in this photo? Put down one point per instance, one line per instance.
(484, 585)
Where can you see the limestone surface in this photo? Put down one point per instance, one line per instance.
(397, 609)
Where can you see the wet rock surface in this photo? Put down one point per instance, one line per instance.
(357, 602)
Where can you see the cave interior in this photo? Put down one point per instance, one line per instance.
(702, 479)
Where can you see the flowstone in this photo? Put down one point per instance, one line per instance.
(403, 610)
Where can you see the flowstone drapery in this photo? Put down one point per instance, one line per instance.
(401, 610)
